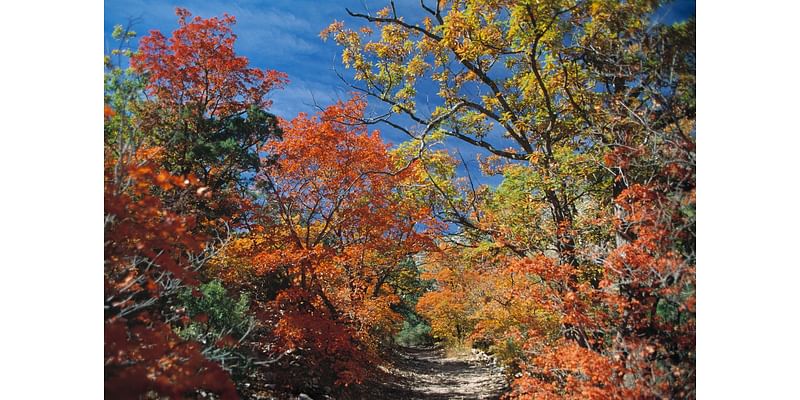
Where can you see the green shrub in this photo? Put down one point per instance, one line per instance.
(414, 333)
(224, 314)
(219, 322)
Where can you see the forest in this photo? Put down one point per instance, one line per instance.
(248, 255)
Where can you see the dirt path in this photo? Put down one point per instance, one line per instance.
(426, 373)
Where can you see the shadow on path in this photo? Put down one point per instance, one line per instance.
(426, 373)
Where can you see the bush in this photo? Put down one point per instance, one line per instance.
(218, 321)
(216, 312)
(414, 333)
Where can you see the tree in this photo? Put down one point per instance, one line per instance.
(587, 109)
(153, 245)
(336, 223)
(148, 253)
(504, 72)
(207, 109)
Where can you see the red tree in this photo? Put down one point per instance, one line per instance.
(339, 227)
(198, 69)
(146, 248)
(207, 109)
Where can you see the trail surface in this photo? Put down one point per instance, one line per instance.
(427, 373)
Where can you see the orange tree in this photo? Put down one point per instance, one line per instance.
(336, 225)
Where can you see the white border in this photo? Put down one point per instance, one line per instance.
(51, 190)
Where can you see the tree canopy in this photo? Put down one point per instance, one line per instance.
(241, 247)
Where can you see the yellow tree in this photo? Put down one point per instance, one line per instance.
(513, 78)
(588, 108)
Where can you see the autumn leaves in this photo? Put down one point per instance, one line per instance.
(306, 216)
(577, 270)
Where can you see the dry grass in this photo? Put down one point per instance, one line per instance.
(459, 350)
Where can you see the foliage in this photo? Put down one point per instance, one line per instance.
(579, 267)
(152, 249)
(197, 69)
(336, 225)
(207, 110)
(310, 245)
(415, 332)
(215, 312)
(410, 286)
(123, 90)
(145, 261)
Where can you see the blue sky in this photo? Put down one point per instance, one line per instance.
(276, 34)
(284, 35)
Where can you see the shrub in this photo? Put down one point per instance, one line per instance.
(218, 321)
(415, 332)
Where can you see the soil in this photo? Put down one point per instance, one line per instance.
(429, 374)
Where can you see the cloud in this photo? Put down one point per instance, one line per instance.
(257, 28)
(282, 35)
